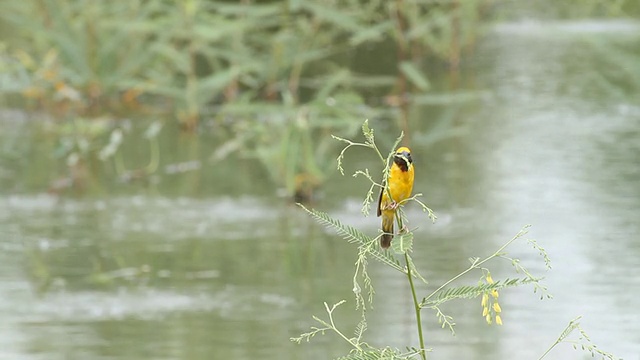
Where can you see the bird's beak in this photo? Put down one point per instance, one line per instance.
(407, 157)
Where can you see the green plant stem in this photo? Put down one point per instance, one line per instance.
(335, 328)
(549, 350)
(416, 306)
(476, 264)
(573, 324)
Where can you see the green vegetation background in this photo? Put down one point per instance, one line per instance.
(272, 78)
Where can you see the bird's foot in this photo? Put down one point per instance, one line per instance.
(391, 206)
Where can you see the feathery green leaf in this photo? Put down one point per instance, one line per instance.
(402, 243)
(353, 235)
(469, 292)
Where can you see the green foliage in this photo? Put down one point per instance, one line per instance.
(402, 244)
(75, 51)
(203, 55)
(583, 342)
(207, 57)
(580, 9)
(355, 236)
(471, 292)
(274, 77)
(361, 349)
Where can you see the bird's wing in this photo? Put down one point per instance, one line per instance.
(384, 184)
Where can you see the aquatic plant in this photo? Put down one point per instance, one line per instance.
(191, 56)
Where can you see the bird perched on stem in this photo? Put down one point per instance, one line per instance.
(399, 189)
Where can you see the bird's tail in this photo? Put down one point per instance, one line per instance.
(387, 229)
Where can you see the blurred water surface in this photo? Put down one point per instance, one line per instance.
(211, 264)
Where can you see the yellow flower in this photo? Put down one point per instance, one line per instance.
(489, 278)
(490, 308)
(496, 307)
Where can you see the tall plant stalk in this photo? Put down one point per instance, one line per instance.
(416, 307)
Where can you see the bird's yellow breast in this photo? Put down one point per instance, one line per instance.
(400, 185)
(400, 182)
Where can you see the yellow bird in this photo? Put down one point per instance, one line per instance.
(400, 187)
